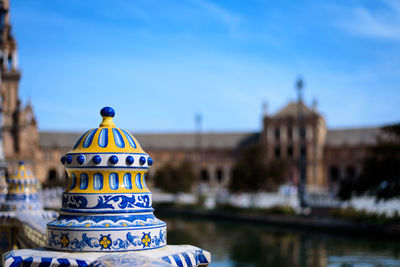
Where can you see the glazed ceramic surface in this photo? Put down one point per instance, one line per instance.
(22, 193)
(107, 205)
(184, 256)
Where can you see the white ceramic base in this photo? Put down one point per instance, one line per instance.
(183, 255)
(122, 239)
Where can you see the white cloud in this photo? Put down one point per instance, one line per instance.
(381, 23)
(230, 19)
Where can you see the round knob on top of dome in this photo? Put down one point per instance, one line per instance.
(107, 112)
(22, 173)
(106, 146)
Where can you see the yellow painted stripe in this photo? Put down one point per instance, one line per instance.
(111, 147)
(106, 182)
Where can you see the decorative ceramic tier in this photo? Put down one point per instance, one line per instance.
(107, 205)
(22, 191)
(3, 187)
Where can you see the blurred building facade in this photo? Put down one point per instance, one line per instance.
(331, 155)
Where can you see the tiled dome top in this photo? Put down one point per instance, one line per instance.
(107, 146)
(24, 178)
(107, 138)
(22, 173)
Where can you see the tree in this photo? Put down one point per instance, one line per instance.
(381, 168)
(252, 173)
(175, 178)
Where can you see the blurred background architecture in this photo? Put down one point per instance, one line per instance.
(332, 154)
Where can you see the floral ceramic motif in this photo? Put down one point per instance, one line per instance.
(146, 240)
(64, 240)
(105, 241)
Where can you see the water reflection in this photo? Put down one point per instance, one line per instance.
(239, 244)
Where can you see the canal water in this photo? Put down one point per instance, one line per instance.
(244, 244)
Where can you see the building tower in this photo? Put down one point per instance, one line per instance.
(290, 138)
(20, 135)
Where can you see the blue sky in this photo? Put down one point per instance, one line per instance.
(158, 63)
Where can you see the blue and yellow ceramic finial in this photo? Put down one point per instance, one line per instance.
(107, 113)
(22, 193)
(106, 205)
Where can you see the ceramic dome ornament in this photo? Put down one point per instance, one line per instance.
(22, 191)
(106, 205)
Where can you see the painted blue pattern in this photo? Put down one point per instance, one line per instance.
(119, 244)
(89, 138)
(107, 201)
(22, 196)
(27, 261)
(84, 181)
(98, 181)
(45, 262)
(113, 180)
(80, 139)
(130, 138)
(24, 181)
(128, 180)
(81, 263)
(73, 181)
(119, 141)
(17, 262)
(63, 263)
(187, 259)
(166, 259)
(200, 258)
(177, 260)
(103, 138)
(138, 182)
(67, 218)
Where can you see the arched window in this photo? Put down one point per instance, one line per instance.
(205, 176)
(303, 133)
(333, 173)
(52, 176)
(290, 151)
(289, 133)
(277, 134)
(220, 175)
(350, 172)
